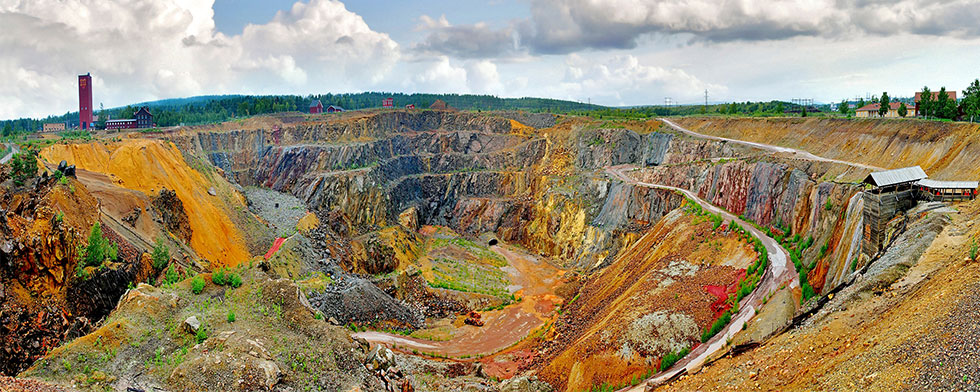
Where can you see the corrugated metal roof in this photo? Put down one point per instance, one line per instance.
(896, 176)
(936, 184)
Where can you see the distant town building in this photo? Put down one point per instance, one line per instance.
(334, 109)
(410, 106)
(142, 119)
(388, 103)
(316, 107)
(935, 96)
(871, 110)
(85, 120)
(53, 127)
(120, 124)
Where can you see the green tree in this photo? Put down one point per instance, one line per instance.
(971, 101)
(885, 104)
(945, 107)
(902, 110)
(843, 108)
(779, 108)
(802, 111)
(23, 166)
(96, 251)
(861, 103)
(161, 255)
(8, 130)
(925, 102)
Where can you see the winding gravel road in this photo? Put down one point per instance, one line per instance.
(780, 270)
(769, 147)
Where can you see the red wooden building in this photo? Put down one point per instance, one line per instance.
(410, 106)
(316, 107)
(334, 109)
(388, 103)
(141, 119)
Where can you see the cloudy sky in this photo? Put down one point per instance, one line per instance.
(612, 52)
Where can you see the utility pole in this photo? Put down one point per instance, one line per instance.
(705, 108)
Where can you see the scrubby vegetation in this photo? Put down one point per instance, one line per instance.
(197, 284)
(671, 358)
(23, 166)
(160, 255)
(99, 249)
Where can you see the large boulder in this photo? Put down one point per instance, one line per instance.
(525, 383)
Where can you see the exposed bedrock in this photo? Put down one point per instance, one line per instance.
(781, 196)
(482, 175)
(605, 147)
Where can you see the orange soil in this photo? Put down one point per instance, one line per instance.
(628, 289)
(869, 344)
(151, 165)
(945, 151)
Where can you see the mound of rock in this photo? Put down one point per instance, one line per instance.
(172, 214)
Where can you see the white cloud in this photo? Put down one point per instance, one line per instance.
(625, 80)
(482, 78)
(170, 48)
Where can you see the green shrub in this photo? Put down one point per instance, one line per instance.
(160, 255)
(197, 284)
(231, 316)
(99, 249)
(671, 358)
(973, 250)
(854, 264)
(171, 276)
(201, 334)
(112, 252)
(716, 326)
(829, 206)
(235, 281)
(63, 180)
(808, 291)
(218, 277)
(24, 166)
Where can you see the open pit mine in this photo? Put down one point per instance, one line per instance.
(429, 250)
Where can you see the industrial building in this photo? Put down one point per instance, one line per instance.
(85, 120)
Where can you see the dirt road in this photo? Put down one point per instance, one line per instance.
(535, 281)
(780, 271)
(769, 147)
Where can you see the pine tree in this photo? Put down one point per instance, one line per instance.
(942, 105)
(971, 101)
(902, 110)
(925, 102)
(885, 104)
(843, 107)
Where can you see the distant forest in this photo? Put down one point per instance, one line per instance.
(212, 109)
(218, 108)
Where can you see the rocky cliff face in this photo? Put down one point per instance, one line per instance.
(45, 296)
(476, 174)
(781, 196)
(487, 175)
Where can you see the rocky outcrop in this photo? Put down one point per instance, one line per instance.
(45, 296)
(172, 214)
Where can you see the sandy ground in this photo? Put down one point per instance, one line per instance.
(536, 279)
(769, 147)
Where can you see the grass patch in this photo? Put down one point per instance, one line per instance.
(474, 278)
